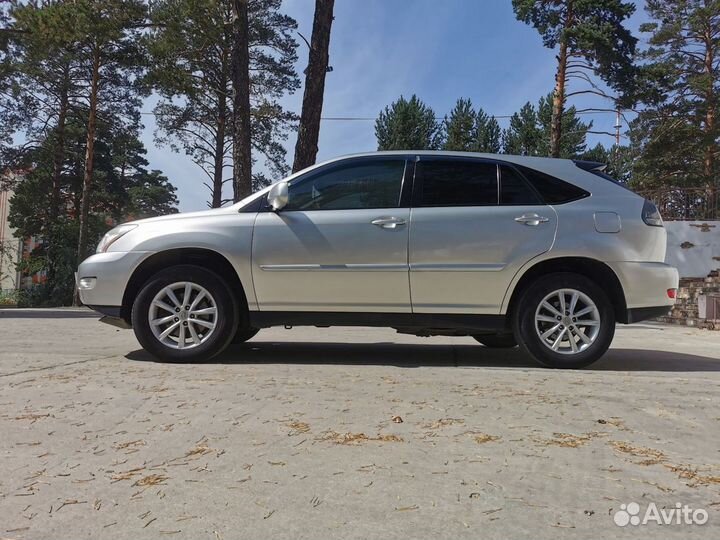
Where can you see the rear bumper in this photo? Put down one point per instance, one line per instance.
(642, 314)
(645, 285)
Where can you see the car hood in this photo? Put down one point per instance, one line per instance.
(186, 215)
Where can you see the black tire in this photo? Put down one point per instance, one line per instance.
(524, 321)
(244, 333)
(497, 341)
(227, 314)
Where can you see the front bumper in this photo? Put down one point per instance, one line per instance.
(111, 272)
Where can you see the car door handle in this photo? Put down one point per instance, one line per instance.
(531, 219)
(388, 222)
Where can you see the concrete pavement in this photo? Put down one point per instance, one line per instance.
(352, 433)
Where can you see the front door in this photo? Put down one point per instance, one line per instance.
(340, 244)
(473, 225)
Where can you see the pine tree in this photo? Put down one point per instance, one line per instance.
(190, 48)
(306, 147)
(574, 131)
(108, 37)
(460, 127)
(591, 41)
(408, 125)
(678, 135)
(530, 131)
(488, 133)
(123, 188)
(523, 136)
(467, 130)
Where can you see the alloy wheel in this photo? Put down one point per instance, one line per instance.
(182, 315)
(567, 321)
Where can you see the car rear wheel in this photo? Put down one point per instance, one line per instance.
(497, 341)
(564, 320)
(185, 314)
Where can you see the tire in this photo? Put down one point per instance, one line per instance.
(244, 333)
(597, 326)
(497, 341)
(206, 342)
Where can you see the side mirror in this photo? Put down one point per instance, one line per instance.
(278, 196)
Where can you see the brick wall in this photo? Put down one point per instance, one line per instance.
(685, 310)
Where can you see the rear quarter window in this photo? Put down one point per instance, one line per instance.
(551, 189)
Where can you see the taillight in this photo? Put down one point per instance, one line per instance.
(672, 293)
(650, 215)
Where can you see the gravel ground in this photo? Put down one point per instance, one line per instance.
(350, 433)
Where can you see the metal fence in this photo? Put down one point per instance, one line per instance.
(684, 204)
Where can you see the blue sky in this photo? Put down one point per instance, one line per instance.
(380, 49)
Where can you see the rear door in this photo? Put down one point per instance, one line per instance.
(473, 224)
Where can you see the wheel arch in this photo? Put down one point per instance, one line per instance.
(593, 269)
(203, 257)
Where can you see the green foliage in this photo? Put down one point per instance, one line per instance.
(677, 136)
(467, 130)
(529, 131)
(619, 160)
(593, 32)
(123, 189)
(408, 125)
(190, 47)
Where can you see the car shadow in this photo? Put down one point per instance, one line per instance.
(420, 355)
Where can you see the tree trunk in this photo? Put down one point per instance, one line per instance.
(219, 156)
(306, 147)
(89, 157)
(558, 105)
(49, 236)
(59, 151)
(710, 124)
(240, 69)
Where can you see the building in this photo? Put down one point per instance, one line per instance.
(11, 247)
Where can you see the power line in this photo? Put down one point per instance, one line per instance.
(373, 118)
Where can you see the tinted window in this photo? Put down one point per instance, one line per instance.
(457, 183)
(374, 184)
(514, 190)
(551, 189)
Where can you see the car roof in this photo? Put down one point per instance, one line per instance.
(565, 169)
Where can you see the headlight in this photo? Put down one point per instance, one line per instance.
(113, 235)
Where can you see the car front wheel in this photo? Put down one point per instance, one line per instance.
(564, 320)
(185, 313)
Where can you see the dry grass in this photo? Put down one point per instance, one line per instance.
(482, 438)
(298, 427)
(652, 457)
(688, 473)
(443, 422)
(200, 449)
(356, 438)
(151, 480)
(34, 417)
(127, 475)
(566, 440)
(129, 444)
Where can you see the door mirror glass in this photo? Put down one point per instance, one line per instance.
(278, 196)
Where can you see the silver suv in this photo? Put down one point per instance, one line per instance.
(545, 253)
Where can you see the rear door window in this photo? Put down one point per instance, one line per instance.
(454, 182)
(514, 189)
